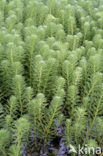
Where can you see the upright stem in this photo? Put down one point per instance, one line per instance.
(96, 113)
(2, 150)
(21, 105)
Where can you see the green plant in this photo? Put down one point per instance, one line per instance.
(51, 76)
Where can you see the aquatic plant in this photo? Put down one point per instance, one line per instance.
(51, 76)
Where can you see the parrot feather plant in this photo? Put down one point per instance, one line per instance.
(51, 77)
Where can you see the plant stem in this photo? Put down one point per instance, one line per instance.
(96, 113)
(2, 150)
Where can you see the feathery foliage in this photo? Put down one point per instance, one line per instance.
(51, 76)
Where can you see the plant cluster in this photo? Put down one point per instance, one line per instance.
(51, 76)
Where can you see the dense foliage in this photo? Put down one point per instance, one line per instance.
(51, 76)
